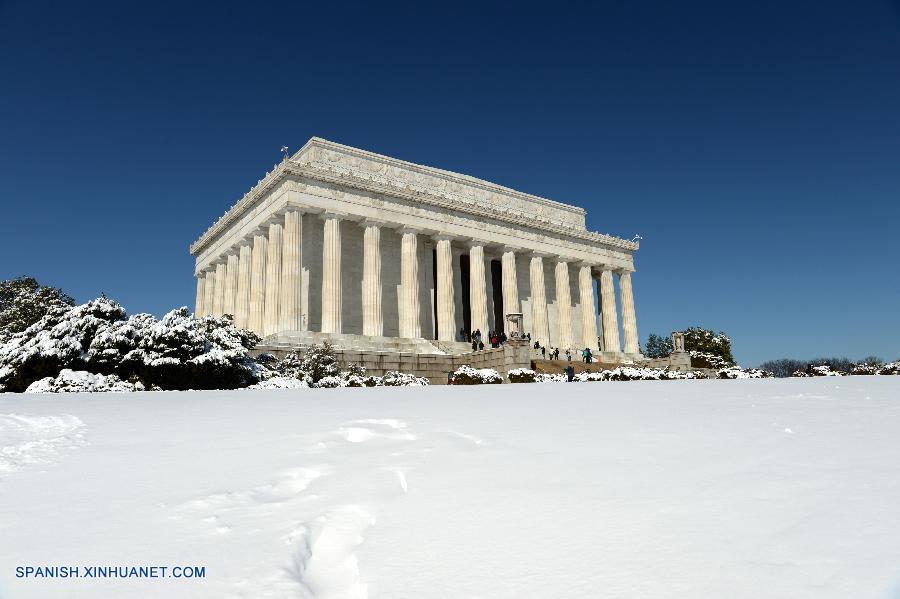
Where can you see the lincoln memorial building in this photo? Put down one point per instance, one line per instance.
(375, 253)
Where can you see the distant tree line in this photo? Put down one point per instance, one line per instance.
(785, 367)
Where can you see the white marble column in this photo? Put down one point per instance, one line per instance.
(410, 326)
(478, 288)
(231, 273)
(510, 283)
(629, 321)
(373, 318)
(209, 291)
(242, 293)
(446, 311)
(258, 283)
(563, 305)
(608, 312)
(291, 254)
(219, 297)
(273, 279)
(588, 308)
(201, 295)
(540, 329)
(331, 274)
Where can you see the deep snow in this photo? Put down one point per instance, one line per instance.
(745, 488)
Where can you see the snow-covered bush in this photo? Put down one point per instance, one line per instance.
(893, 368)
(521, 375)
(742, 373)
(466, 375)
(79, 381)
(280, 382)
(319, 362)
(550, 378)
(863, 369)
(821, 370)
(630, 373)
(175, 352)
(330, 382)
(394, 378)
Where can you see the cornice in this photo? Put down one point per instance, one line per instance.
(329, 162)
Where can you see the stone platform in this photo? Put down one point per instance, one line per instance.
(433, 366)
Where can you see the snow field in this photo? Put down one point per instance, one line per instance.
(746, 488)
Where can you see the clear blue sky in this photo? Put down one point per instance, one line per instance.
(755, 146)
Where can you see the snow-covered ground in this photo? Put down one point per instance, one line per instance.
(745, 488)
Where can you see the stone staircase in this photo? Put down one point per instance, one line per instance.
(293, 340)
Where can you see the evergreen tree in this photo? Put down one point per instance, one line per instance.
(711, 350)
(658, 347)
(24, 301)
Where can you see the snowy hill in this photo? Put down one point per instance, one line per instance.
(747, 488)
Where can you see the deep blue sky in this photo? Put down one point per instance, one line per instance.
(755, 146)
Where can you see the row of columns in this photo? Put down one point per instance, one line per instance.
(260, 286)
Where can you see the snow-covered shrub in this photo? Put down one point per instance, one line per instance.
(280, 382)
(79, 381)
(354, 380)
(630, 373)
(466, 375)
(175, 352)
(893, 368)
(550, 378)
(821, 370)
(330, 382)
(863, 369)
(742, 373)
(521, 375)
(394, 378)
(60, 339)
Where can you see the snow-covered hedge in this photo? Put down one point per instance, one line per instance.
(823, 370)
(631, 373)
(466, 375)
(280, 382)
(741, 373)
(394, 378)
(526, 375)
(79, 381)
(892, 368)
(177, 351)
(344, 379)
(521, 375)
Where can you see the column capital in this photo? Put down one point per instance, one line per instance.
(604, 267)
(333, 215)
(624, 270)
(371, 222)
(511, 249)
(540, 254)
(444, 237)
(294, 208)
(472, 242)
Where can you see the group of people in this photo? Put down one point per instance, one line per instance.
(497, 338)
(587, 356)
(494, 338)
